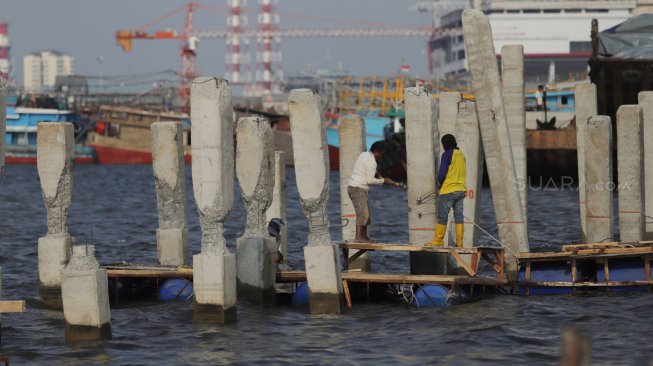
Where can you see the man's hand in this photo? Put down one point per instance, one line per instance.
(387, 181)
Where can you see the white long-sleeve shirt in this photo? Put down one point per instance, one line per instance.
(364, 171)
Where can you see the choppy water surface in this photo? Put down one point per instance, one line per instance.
(117, 205)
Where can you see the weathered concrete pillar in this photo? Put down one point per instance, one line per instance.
(85, 292)
(312, 173)
(447, 125)
(214, 269)
(352, 143)
(256, 249)
(586, 107)
(630, 170)
(598, 179)
(495, 135)
(3, 121)
(512, 83)
(646, 103)
(170, 182)
(55, 143)
(422, 156)
(278, 207)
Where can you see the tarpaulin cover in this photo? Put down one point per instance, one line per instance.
(630, 39)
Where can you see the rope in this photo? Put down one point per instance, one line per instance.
(431, 196)
(451, 297)
(490, 235)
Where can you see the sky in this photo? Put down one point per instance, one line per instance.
(86, 30)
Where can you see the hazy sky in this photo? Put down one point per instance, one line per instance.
(86, 29)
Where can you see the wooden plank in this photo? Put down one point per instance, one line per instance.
(586, 253)
(12, 306)
(587, 284)
(571, 247)
(574, 272)
(433, 279)
(355, 256)
(407, 248)
(606, 269)
(647, 267)
(345, 288)
(291, 276)
(461, 262)
(142, 273)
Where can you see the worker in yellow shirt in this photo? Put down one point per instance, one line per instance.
(451, 180)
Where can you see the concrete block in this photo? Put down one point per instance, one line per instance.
(170, 178)
(324, 279)
(310, 154)
(495, 135)
(53, 256)
(598, 179)
(512, 83)
(172, 247)
(351, 131)
(646, 103)
(586, 107)
(214, 281)
(278, 207)
(257, 270)
(212, 132)
(630, 170)
(85, 293)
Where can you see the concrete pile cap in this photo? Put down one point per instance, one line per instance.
(83, 258)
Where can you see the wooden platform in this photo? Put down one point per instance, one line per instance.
(147, 271)
(396, 278)
(494, 256)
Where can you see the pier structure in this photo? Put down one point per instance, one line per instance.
(256, 249)
(85, 294)
(598, 179)
(630, 170)
(310, 155)
(512, 87)
(214, 268)
(55, 146)
(170, 183)
(586, 107)
(277, 208)
(448, 113)
(351, 130)
(495, 135)
(645, 100)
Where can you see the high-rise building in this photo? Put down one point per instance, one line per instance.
(5, 65)
(40, 70)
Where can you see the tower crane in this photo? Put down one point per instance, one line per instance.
(190, 37)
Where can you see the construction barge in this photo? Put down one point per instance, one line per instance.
(614, 266)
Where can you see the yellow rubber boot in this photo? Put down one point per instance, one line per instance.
(460, 231)
(438, 238)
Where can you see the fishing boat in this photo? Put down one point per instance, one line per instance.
(121, 135)
(22, 121)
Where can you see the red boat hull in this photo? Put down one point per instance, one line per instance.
(111, 155)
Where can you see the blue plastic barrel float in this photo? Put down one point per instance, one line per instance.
(438, 296)
(623, 270)
(176, 289)
(301, 294)
(546, 271)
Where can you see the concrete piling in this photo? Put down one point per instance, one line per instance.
(310, 155)
(351, 131)
(495, 135)
(422, 157)
(586, 107)
(256, 249)
(278, 207)
(630, 170)
(646, 103)
(512, 84)
(214, 269)
(598, 179)
(55, 146)
(170, 183)
(85, 293)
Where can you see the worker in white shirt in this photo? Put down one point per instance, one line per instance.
(364, 174)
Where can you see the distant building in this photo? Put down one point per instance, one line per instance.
(40, 70)
(555, 35)
(5, 64)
